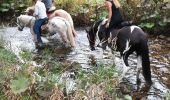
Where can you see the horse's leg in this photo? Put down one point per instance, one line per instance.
(125, 50)
(126, 55)
(72, 26)
(70, 35)
(144, 51)
(63, 36)
(125, 67)
(139, 67)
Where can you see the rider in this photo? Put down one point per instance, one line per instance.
(114, 15)
(41, 18)
(115, 19)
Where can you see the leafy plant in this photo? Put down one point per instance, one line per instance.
(147, 25)
(19, 85)
(9, 58)
(162, 24)
(98, 75)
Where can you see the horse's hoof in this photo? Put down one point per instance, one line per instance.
(149, 83)
(92, 49)
(138, 81)
(40, 45)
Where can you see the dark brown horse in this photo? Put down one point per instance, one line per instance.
(126, 40)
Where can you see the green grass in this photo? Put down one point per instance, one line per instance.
(7, 58)
(168, 96)
(23, 81)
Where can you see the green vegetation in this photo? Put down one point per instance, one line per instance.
(153, 15)
(7, 58)
(27, 81)
(168, 96)
(1, 41)
(101, 77)
(84, 12)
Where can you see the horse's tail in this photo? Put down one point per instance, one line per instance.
(72, 24)
(74, 31)
(70, 34)
(146, 62)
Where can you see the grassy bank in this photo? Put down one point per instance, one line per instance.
(29, 82)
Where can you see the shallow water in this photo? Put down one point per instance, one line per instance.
(159, 56)
(160, 66)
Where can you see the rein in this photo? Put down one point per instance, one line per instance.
(113, 41)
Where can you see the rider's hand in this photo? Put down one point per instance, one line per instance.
(107, 25)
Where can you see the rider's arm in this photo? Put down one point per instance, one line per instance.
(36, 12)
(109, 8)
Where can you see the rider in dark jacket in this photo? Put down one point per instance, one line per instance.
(114, 16)
(115, 19)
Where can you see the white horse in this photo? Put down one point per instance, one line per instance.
(55, 25)
(55, 13)
(66, 15)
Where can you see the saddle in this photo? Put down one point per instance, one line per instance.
(113, 38)
(126, 23)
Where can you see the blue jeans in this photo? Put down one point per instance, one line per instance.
(37, 28)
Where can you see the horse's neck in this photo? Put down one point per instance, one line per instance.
(29, 20)
(114, 33)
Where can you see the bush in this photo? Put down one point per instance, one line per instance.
(153, 15)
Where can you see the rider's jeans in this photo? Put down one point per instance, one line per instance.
(37, 28)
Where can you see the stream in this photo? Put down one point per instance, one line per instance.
(159, 56)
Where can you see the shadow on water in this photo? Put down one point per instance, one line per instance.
(160, 65)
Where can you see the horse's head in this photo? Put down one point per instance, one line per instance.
(91, 35)
(97, 30)
(23, 21)
(20, 24)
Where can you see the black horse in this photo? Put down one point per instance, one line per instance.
(126, 40)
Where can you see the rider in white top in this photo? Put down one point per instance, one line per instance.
(40, 10)
(41, 17)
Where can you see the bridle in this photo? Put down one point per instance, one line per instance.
(93, 31)
(20, 27)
